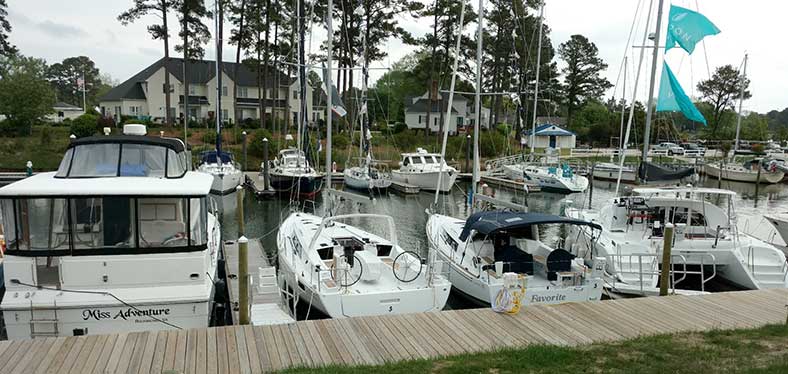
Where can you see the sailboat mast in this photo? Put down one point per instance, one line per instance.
(329, 90)
(741, 103)
(654, 62)
(364, 114)
(477, 99)
(623, 108)
(218, 22)
(536, 84)
(302, 124)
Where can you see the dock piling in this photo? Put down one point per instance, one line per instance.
(243, 146)
(591, 185)
(239, 210)
(467, 153)
(243, 281)
(667, 245)
(265, 165)
(757, 184)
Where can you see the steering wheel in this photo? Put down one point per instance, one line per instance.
(349, 277)
(403, 266)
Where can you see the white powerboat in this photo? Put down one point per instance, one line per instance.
(706, 241)
(345, 271)
(780, 223)
(422, 169)
(480, 250)
(121, 238)
(227, 175)
(556, 179)
(746, 172)
(292, 174)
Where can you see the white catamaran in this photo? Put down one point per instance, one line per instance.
(121, 238)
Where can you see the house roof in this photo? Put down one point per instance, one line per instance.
(65, 106)
(200, 72)
(421, 105)
(549, 129)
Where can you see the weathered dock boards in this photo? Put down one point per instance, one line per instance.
(376, 340)
(261, 302)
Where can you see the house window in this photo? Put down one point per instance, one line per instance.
(224, 90)
(435, 122)
(243, 92)
(133, 110)
(460, 121)
(192, 90)
(295, 95)
(419, 120)
(224, 115)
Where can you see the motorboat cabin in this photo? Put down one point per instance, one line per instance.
(422, 169)
(121, 238)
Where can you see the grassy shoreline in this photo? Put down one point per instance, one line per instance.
(762, 350)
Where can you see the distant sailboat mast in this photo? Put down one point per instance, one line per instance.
(477, 100)
(654, 63)
(741, 103)
(536, 84)
(329, 90)
(217, 24)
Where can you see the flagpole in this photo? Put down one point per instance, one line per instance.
(654, 62)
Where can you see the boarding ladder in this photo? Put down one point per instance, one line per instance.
(44, 321)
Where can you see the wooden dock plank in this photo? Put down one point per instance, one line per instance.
(201, 357)
(45, 360)
(222, 357)
(27, 359)
(251, 348)
(81, 359)
(212, 353)
(72, 354)
(191, 351)
(17, 350)
(145, 359)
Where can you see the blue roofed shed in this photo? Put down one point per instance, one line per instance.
(549, 135)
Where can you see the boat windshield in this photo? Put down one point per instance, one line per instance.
(122, 160)
(103, 225)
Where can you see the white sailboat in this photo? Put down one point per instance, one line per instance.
(751, 172)
(121, 238)
(493, 252)
(342, 269)
(559, 178)
(227, 174)
(365, 175)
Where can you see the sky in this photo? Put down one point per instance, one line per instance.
(56, 29)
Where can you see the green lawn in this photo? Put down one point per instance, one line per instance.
(763, 350)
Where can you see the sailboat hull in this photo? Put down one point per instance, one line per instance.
(359, 180)
(740, 174)
(303, 185)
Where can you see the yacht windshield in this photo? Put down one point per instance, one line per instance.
(103, 225)
(124, 160)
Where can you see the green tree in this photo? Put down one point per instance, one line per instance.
(6, 49)
(157, 31)
(582, 79)
(194, 34)
(754, 126)
(722, 91)
(25, 95)
(64, 77)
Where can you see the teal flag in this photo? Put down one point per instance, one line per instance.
(686, 28)
(673, 99)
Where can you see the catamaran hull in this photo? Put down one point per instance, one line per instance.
(743, 175)
(306, 186)
(427, 180)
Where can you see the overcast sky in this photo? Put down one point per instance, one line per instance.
(56, 29)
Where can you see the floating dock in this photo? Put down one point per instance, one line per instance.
(500, 182)
(267, 307)
(254, 182)
(378, 340)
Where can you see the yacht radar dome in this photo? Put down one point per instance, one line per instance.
(135, 129)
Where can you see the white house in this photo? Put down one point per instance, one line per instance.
(143, 95)
(64, 111)
(549, 135)
(462, 113)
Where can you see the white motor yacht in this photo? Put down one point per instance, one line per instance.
(121, 238)
(480, 250)
(345, 271)
(422, 169)
(549, 178)
(707, 242)
(227, 175)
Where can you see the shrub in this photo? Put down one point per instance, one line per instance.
(504, 129)
(45, 138)
(758, 148)
(106, 121)
(400, 127)
(85, 125)
(256, 144)
(340, 141)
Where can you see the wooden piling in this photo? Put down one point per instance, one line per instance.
(239, 210)
(243, 281)
(667, 245)
(266, 175)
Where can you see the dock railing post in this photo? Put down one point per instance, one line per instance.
(266, 175)
(667, 245)
(239, 210)
(243, 280)
(243, 145)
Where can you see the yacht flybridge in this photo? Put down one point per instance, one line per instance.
(481, 250)
(121, 238)
(345, 271)
(707, 242)
(424, 169)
